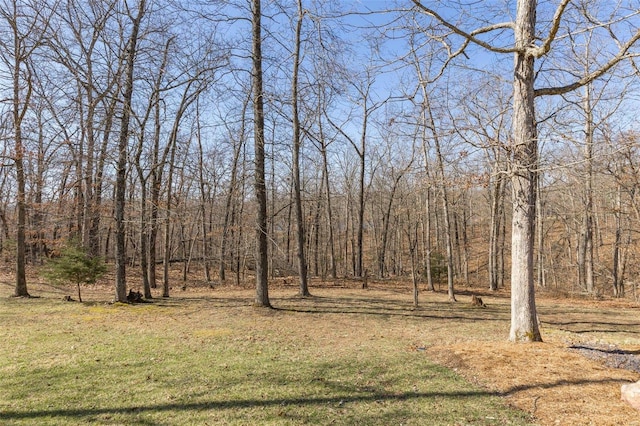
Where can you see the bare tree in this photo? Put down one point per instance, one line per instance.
(158, 160)
(389, 171)
(237, 137)
(623, 166)
(527, 47)
(81, 46)
(327, 187)
(26, 23)
(363, 90)
(205, 196)
(147, 265)
(297, 137)
(427, 120)
(192, 90)
(322, 143)
(586, 276)
(484, 125)
(123, 142)
(412, 239)
(262, 260)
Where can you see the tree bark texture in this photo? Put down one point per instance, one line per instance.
(261, 257)
(524, 321)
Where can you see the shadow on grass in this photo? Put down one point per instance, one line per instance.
(558, 384)
(593, 329)
(386, 308)
(335, 401)
(216, 302)
(595, 326)
(240, 404)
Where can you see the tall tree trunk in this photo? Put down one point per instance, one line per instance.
(618, 279)
(349, 233)
(261, 260)
(229, 206)
(166, 260)
(289, 221)
(88, 196)
(153, 230)
(237, 216)
(143, 237)
(497, 200)
(204, 197)
(75, 228)
(316, 233)
(38, 246)
(427, 232)
(121, 255)
(412, 239)
(18, 116)
(542, 280)
(386, 219)
(157, 169)
(426, 124)
(188, 97)
(360, 231)
(524, 320)
(100, 167)
(23, 41)
(445, 194)
(327, 188)
(300, 232)
(447, 225)
(585, 245)
(465, 241)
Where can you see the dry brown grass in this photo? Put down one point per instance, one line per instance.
(557, 385)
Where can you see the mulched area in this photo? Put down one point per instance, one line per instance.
(610, 355)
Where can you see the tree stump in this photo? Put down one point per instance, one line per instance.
(477, 301)
(134, 297)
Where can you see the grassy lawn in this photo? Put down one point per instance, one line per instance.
(214, 359)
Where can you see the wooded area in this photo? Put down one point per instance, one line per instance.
(260, 139)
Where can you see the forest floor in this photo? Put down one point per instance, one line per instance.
(591, 347)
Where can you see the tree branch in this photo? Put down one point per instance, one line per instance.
(622, 55)
(470, 37)
(555, 25)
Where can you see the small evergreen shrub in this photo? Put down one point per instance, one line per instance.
(74, 265)
(438, 267)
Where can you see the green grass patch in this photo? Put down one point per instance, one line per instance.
(198, 361)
